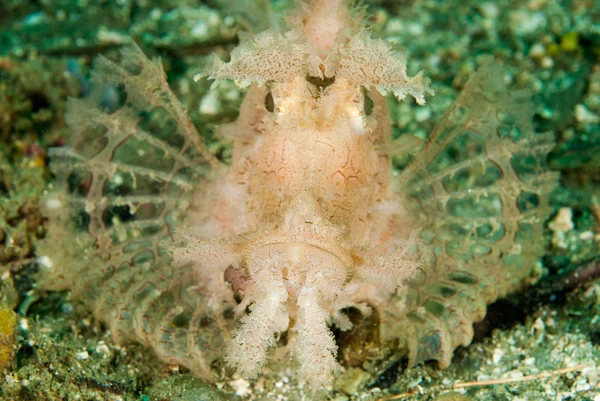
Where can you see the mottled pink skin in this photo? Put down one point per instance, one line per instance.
(306, 215)
(309, 207)
(320, 143)
(323, 21)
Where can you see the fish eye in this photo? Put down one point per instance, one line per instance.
(368, 104)
(269, 102)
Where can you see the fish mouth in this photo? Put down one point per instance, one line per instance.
(295, 251)
(296, 260)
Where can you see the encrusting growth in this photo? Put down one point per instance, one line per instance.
(8, 323)
(209, 264)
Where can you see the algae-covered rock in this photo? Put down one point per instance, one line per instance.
(352, 380)
(8, 321)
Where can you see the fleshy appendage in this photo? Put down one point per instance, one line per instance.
(269, 56)
(369, 62)
(480, 189)
(355, 57)
(296, 276)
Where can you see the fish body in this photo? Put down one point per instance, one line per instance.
(208, 264)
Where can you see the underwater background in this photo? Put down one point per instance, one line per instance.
(542, 344)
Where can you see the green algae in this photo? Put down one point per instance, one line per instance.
(186, 388)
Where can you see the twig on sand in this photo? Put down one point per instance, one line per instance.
(482, 383)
